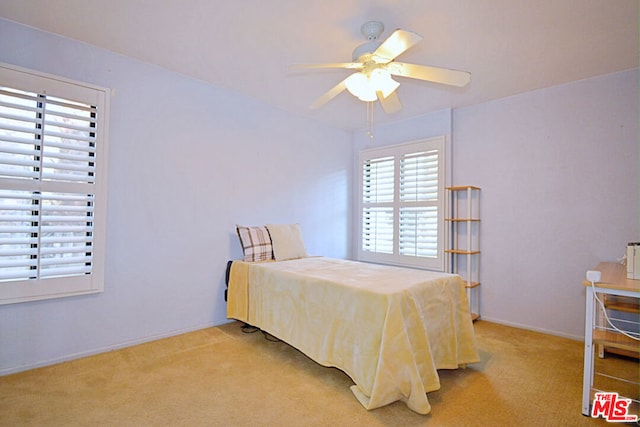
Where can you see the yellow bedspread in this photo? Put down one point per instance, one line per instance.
(389, 328)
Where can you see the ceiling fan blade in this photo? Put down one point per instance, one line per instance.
(390, 104)
(329, 95)
(398, 42)
(431, 74)
(349, 65)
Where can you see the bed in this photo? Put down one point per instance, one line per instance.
(390, 329)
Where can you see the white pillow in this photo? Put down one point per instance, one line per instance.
(287, 241)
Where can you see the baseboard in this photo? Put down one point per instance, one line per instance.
(98, 350)
(531, 328)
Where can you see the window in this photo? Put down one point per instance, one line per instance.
(401, 204)
(52, 186)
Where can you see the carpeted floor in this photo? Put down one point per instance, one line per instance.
(223, 377)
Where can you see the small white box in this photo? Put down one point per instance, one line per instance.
(594, 276)
(633, 260)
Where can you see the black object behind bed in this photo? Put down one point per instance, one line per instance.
(226, 279)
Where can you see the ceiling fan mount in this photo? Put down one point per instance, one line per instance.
(375, 64)
(372, 30)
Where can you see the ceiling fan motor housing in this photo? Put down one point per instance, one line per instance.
(363, 52)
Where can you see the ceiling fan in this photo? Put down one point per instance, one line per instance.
(376, 63)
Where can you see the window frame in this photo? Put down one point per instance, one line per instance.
(436, 263)
(47, 85)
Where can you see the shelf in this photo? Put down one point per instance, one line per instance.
(463, 187)
(624, 304)
(463, 219)
(615, 340)
(461, 252)
(621, 352)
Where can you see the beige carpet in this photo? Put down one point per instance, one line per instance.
(224, 377)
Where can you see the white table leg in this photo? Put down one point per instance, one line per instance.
(587, 381)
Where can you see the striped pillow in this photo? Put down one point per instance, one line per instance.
(255, 242)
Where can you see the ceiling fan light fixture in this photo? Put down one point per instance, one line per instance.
(381, 81)
(359, 85)
(366, 86)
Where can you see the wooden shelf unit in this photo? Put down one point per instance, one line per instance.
(463, 240)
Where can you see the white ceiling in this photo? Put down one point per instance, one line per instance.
(509, 46)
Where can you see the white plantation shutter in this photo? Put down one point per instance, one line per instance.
(401, 205)
(377, 199)
(419, 204)
(51, 232)
(377, 230)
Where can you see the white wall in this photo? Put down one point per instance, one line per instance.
(558, 170)
(187, 162)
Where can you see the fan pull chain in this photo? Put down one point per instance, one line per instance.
(370, 119)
